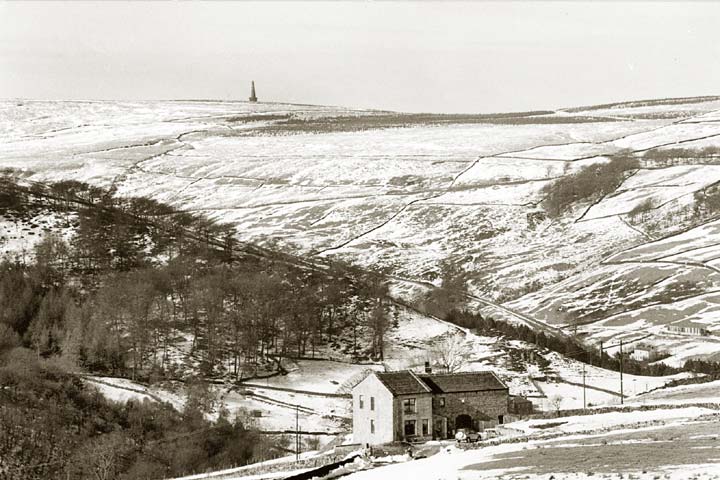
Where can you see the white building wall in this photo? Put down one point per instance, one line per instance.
(382, 415)
(641, 355)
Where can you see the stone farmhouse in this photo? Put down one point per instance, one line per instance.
(408, 406)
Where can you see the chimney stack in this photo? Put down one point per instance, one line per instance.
(428, 369)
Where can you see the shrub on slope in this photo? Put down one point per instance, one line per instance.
(592, 181)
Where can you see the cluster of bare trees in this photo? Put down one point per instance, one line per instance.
(667, 157)
(140, 288)
(591, 181)
(226, 319)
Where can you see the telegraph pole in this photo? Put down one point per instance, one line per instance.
(584, 397)
(622, 397)
(297, 433)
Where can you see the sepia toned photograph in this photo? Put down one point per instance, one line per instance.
(369, 240)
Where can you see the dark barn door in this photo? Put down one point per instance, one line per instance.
(463, 421)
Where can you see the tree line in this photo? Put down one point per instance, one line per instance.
(138, 280)
(681, 156)
(232, 318)
(573, 348)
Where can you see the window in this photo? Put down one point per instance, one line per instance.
(409, 428)
(409, 405)
(441, 401)
(425, 427)
(372, 426)
(361, 401)
(372, 403)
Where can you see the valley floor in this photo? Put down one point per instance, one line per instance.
(684, 445)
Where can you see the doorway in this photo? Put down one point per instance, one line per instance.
(463, 421)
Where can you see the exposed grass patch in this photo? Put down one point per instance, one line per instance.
(294, 124)
(544, 426)
(258, 118)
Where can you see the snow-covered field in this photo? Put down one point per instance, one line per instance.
(122, 390)
(656, 186)
(701, 392)
(18, 237)
(684, 245)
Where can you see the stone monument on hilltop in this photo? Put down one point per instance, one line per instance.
(253, 97)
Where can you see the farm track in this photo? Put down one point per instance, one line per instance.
(632, 227)
(147, 393)
(683, 252)
(488, 303)
(279, 403)
(589, 386)
(294, 390)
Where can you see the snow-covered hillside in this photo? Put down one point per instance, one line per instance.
(409, 192)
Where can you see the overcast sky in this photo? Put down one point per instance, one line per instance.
(426, 56)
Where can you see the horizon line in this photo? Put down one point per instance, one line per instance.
(697, 98)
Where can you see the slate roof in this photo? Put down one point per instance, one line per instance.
(402, 383)
(462, 382)
(688, 324)
(409, 383)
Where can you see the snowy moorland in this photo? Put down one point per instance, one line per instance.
(409, 193)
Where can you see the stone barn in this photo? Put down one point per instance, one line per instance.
(406, 406)
(688, 327)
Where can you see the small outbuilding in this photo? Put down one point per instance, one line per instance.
(520, 406)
